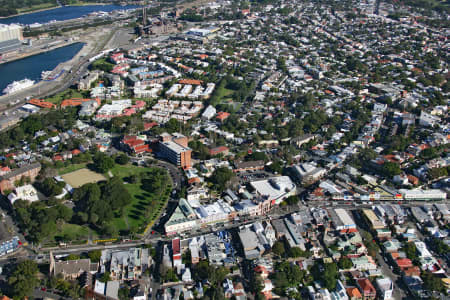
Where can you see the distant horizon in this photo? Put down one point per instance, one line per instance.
(66, 12)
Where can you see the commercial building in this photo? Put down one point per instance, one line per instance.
(86, 82)
(416, 195)
(10, 32)
(134, 144)
(9, 246)
(308, 172)
(176, 252)
(182, 219)
(250, 244)
(342, 220)
(219, 150)
(299, 141)
(275, 189)
(372, 219)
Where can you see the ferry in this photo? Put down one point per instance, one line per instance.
(51, 75)
(45, 75)
(18, 86)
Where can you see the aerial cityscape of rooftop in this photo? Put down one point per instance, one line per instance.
(224, 149)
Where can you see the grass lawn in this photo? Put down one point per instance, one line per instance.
(221, 94)
(74, 230)
(36, 7)
(70, 232)
(81, 3)
(71, 168)
(134, 212)
(67, 94)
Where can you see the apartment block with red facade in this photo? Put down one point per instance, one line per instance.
(133, 144)
(175, 149)
(7, 181)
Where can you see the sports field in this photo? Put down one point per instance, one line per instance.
(80, 177)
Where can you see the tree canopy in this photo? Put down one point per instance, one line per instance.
(100, 201)
(220, 177)
(24, 279)
(102, 162)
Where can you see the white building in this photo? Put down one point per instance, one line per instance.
(385, 288)
(432, 194)
(10, 32)
(218, 211)
(209, 113)
(308, 172)
(26, 192)
(276, 189)
(428, 120)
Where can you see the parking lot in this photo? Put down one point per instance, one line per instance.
(252, 176)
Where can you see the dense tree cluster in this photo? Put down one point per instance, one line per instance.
(122, 159)
(220, 177)
(278, 249)
(97, 204)
(49, 187)
(287, 275)
(345, 263)
(433, 283)
(103, 162)
(39, 221)
(390, 169)
(66, 288)
(215, 275)
(292, 200)
(191, 16)
(24, 279)
(327, 273)
(124, 125)
(200, 150)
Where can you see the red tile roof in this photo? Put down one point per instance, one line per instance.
(404, 262)
(353, 292)
(222, 115)
(366, 286)
(217, 150)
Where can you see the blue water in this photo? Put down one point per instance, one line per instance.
(32, 67)
(62, 13)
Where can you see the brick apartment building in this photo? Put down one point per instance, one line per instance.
(7, 181)
(135, 145)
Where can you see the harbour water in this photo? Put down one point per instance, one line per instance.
(32, 67)
(62, 13)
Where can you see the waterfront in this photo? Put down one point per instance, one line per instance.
(62, 13)
(32, 67)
